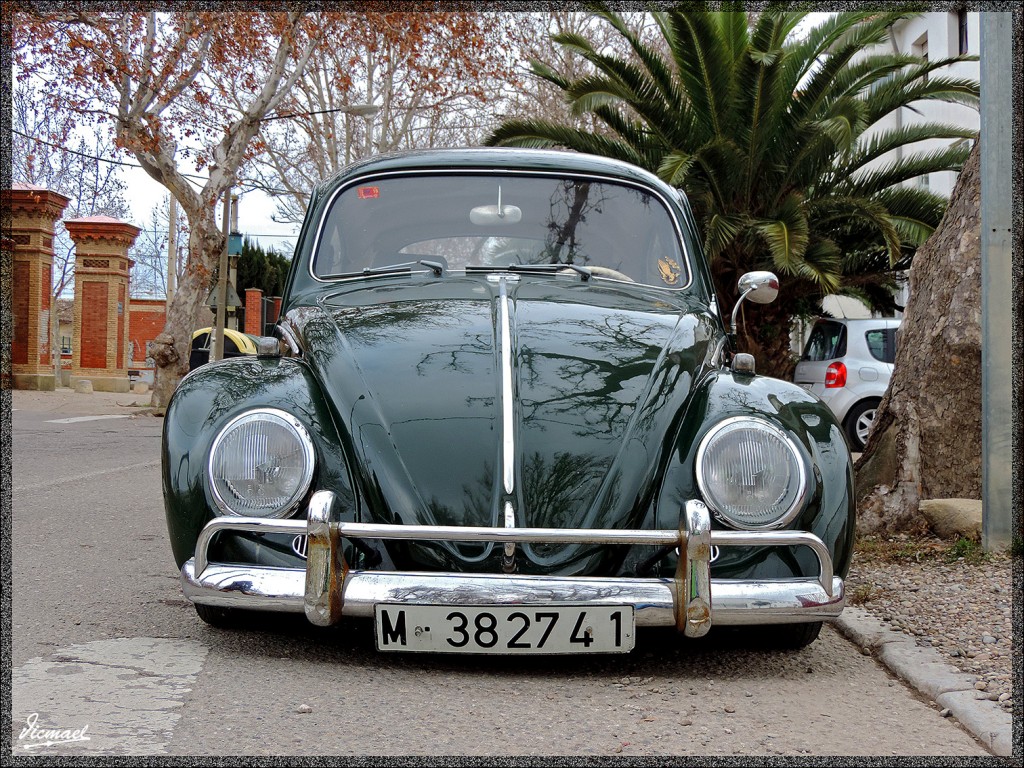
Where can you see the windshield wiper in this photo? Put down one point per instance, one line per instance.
(436, 267)
(583, 272)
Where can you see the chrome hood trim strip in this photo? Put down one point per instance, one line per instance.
(508, 438)
(508, 443)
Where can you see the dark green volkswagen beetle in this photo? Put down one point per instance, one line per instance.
(502, 415)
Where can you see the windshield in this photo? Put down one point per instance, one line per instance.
(468, 221)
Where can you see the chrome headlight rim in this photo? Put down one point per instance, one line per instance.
(803, 491)
(308, 455)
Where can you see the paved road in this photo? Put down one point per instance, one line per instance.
(103, 641)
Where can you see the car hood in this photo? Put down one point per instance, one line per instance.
(601, 374)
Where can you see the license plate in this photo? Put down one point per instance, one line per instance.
(499, 629)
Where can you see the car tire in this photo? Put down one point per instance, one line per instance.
(220, 617)
(789, 637)
(858, 422)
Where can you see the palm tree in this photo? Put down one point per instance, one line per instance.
(772, 138)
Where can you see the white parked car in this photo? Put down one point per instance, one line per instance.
(848, 364)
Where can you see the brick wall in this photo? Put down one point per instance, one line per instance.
(122, 317)
(101, 313)
(20, 313)
(93, 342)
(33, 211)
(254, 311)
(146, 319)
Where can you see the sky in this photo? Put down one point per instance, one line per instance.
(255, 210)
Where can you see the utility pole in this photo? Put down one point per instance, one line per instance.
(172, 251)
(222, 283)
(997, 415)
(234, 250)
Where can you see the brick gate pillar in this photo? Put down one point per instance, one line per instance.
(254, 311)
(100, 347)
(33, 212)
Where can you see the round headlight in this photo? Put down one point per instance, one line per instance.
(751, 474)
(261, 464)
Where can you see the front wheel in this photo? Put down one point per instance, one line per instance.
(859, 421)
(220, 617)
(788, 637)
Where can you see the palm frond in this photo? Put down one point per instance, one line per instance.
(915, 211)
(675, 168)
(721, 231)
(869, 182)
(540, 134)
(651, 59)
(888, 96)
(892, 139)
(759, 105)
(705, 70)
(786, 234)
(543, 71)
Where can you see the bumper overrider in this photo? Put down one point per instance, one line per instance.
(692, 601)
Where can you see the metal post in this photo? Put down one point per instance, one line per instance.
(996, 270)
(172, 250)
(217, 353)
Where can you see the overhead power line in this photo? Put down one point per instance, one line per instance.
(93, 157)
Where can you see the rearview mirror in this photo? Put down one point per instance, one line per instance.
(492, 215)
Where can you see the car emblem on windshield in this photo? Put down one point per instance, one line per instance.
(669, 269)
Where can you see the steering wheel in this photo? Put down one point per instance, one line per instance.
(609, 272)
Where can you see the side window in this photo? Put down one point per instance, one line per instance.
(882, 344)
(827, 342)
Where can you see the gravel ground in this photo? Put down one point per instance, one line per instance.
(947, 596)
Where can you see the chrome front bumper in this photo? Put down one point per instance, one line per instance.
(692, 601)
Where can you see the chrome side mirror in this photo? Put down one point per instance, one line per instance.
(761, 287)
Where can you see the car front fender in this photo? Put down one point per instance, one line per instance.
(204, 402)
(830, 510)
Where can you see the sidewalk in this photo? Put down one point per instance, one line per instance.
(66, 401)
(924, 670)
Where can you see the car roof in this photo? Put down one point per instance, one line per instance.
(859, 322)
(498, 159)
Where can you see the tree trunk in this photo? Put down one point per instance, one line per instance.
(764, 332)
(926, 439)
(170, 350)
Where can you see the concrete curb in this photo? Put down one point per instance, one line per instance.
(924, 670)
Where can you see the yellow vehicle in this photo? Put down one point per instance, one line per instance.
(235, 344)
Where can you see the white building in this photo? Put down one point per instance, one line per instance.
(935, 35)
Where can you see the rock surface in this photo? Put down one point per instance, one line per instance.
(953, 518)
